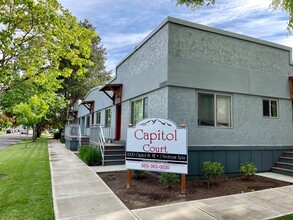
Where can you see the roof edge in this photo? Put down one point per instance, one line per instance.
(208, 29)
(227, 33)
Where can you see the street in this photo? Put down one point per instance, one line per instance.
(7, 140)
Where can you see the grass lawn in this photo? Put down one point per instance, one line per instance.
(25, 182)
(287, 217)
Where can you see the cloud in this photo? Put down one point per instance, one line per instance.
(119, 45)
(287, 41)
(121, 40)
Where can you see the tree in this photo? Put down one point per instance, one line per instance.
(285, 5)
(32, 112)
(34, 36)
(5, 120)
(76, 87)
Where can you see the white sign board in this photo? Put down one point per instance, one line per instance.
(157, 144)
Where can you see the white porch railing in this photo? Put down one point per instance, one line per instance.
(98, 136)
(73, 131)
(87, 131)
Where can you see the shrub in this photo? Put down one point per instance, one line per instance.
(137, 173)
(90, 155)
(169, 178)
(247, 169)
(211, 171)
(57, 135)
(62, 140)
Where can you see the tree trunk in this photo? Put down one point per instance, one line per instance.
(38, 131)
(34, 133)
(26, 137)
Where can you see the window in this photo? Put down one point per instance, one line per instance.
(139, 109)
(98, 118)
(88, 121)
(270, 108)
(108, 117)
(214, 110)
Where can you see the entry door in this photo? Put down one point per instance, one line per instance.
(118, 122)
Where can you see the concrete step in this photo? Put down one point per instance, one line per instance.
(114, 162)
(114, 147)
(85, 140)
(115, 144)
(286, 159)
(288, 154)
(109, 152)
(284, 165)
(282, 171)
(114, 157)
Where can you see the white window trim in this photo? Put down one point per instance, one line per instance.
(106, 118)
(96, 114)
(135, 99)
(88, 121)
(270, 117)
(215, 109)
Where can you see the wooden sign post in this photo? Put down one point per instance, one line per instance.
(183, 184)
(128, 178)
(128, 185)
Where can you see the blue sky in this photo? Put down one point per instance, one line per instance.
(122, 24)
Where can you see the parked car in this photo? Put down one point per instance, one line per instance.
(24, 130)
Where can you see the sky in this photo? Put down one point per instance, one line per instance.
(122, 24)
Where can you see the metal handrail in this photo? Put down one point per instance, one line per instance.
(99, 134)
(102, 142)
(102, 136)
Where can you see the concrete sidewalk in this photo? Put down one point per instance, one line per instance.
(79, 193)
(264, 204)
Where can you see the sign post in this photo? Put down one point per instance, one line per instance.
(128, 179)
(157, 144)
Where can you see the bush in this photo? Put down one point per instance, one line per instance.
(62, 140)
(90, 155)
(137, 173)
(247, 169)
(211, 171)
(57, 135)
(169, 178)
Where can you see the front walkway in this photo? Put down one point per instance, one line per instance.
(79, 193)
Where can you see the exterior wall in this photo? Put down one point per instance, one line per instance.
(180, 59)
(126, 119)
(214, 61)
(157, 107)
(251, 138)
(264, 157)
(102, 102)
(146, 68)
(249, 127)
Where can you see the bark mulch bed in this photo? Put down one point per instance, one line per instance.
(148, 191)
